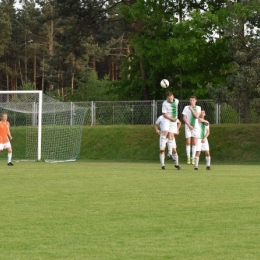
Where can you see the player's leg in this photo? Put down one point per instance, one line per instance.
(162, 144)
(208, 158)
(163, 140)
(170, 144)
(8, 147)
(175, 156)
(197, 154)
(205, 148)
(174, 150)
(167, 143)
(193, 147)
(188, 142)
(196, 161)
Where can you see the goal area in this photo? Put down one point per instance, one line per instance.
(48, 129)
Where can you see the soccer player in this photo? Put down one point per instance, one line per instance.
(202, 141)
(190, 117)
(5, 137)
(172, 154)
(169, 125)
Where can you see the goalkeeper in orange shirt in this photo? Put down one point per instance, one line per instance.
(5, 137)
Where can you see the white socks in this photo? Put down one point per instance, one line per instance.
(208, 161)
(188, 150)
(197, 159)
(176, 157)
(162, 158)
(9, 157)
(170, 144)
(196, 165)
(193, 151)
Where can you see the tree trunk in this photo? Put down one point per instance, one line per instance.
(51, 41)
(20, 71)
(112, 74)
(25, 60)
(73, 75)
(43, 61)
(7, 76)
(34, 72)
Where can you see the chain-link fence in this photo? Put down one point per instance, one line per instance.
(146, 112)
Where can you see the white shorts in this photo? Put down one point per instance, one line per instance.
(202, 146)
(167, 140)
(5, 146)
(190, 133)
(169, 126)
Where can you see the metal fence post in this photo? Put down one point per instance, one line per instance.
(154, 111)
(216, 114)
(92, 112)
(219, 113)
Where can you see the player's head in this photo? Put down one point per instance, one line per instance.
(169, 96)
(4, 116)
(202, 113)
(193, 100)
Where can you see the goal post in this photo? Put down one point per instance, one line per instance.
(53, 129)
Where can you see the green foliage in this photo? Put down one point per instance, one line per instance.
(186, 52)
(5, 32)
(191, 43)
(89, 88)
(27, 86)
(232, 115)
(243, 74)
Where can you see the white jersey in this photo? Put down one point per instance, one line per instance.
(202, 130)
(159, 121)
(190, 117)
(170, 108)
(173, 128)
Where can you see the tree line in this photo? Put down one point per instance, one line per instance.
(84, 50)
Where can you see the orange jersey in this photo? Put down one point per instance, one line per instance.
(4, 130)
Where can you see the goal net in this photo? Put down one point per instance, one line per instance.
(47, 129)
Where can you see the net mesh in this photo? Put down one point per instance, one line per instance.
(61, 128)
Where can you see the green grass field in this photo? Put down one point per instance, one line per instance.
(121, 210)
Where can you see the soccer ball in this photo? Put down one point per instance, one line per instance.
(164, 83)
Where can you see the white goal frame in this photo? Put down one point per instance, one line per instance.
(39, 92)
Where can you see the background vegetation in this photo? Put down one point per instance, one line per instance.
(121, 49)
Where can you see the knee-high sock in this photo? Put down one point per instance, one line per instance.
(188, 150)
(176, 159)
(170, 144)
(196, 165)
(9, 157)
(163, 142)
(208, 159)
(193, 151)
(162, 158)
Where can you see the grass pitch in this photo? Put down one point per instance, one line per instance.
(108, 210)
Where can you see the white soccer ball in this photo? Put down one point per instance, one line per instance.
(165, 83)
